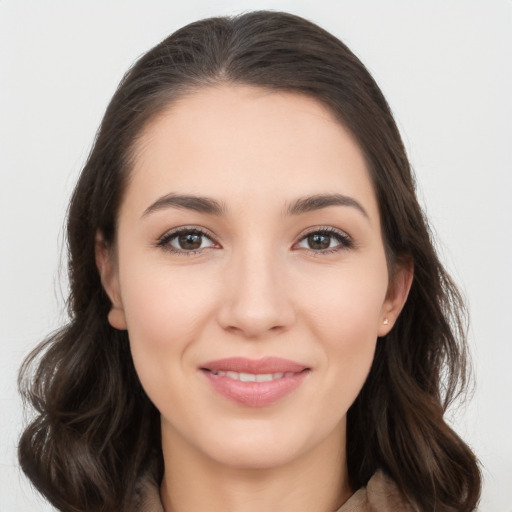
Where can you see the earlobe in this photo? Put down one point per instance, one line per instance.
(107, 268)
(117, 319)
(398, 291)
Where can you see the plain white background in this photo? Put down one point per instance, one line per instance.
(446, 69)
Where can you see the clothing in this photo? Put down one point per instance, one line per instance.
(380, 495)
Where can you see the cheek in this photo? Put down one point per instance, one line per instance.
(165, 311)
(164, 304)
(346, 318)
(348, 305)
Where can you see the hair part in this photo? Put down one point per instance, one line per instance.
(96, 432)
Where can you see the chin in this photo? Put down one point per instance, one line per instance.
(255, 456)
(258, 445)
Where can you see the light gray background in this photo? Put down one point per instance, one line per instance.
(446, 69)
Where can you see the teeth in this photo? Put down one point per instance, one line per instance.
(251, 377)
(264, 377)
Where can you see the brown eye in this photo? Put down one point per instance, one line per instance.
(326, 240)
(319, 241)
(189, 241)
(186, 241)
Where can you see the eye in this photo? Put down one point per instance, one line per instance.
(186, 241)
(325, 240)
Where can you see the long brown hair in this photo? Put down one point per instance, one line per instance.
(96, 432)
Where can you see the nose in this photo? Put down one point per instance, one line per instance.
(256, 300)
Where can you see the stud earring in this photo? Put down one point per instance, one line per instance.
(386, 321)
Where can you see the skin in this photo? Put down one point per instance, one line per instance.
(256, 287)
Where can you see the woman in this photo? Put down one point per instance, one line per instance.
(258, 317)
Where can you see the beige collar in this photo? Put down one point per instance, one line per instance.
(380, 495)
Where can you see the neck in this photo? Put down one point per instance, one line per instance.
(316, 480)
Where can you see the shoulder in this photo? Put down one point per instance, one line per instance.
(380, 495)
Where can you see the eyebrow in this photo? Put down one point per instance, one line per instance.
(211, 206)
(320, 201)
(188, 202)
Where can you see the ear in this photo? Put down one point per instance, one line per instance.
(108, 270)
(398, 291)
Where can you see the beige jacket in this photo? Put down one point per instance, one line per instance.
(380, 495)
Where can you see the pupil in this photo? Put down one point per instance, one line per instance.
(190, 241)
(319, 241)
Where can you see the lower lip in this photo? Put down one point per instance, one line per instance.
(255, 394)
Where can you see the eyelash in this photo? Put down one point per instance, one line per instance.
(345, 242)
(164, 241)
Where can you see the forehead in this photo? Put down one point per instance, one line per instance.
(243, 143)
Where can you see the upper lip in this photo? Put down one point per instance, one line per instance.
(256, 366)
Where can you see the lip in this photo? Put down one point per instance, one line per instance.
(263, 365)
(255, 394)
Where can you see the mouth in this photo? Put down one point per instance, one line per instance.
(263, 366)
(253, 377)
(254, 382)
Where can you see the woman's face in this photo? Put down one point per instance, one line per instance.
(250, 274)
